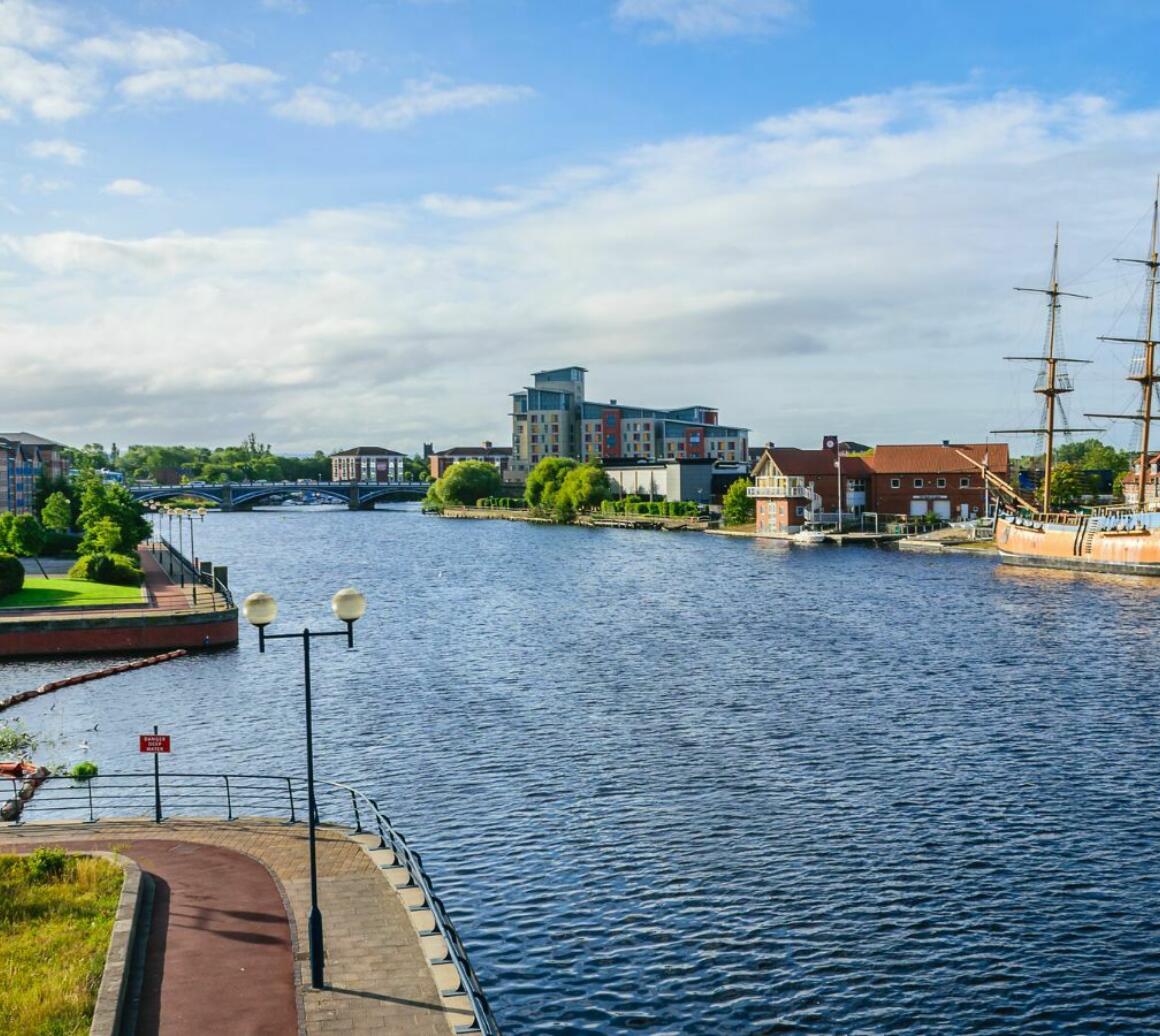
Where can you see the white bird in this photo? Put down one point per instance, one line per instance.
(83, 746)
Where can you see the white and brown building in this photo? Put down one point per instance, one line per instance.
(367, 464)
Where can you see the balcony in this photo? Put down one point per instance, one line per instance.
(780, 488)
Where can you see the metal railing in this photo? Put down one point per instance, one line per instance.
(152, 797)
(780, 487)
(221, 598)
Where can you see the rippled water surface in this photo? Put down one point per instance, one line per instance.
(687, 784)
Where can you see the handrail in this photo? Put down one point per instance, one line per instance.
(389, 836)
(214, 584)
(146, 795)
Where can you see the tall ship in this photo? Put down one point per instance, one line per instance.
(1121, 539)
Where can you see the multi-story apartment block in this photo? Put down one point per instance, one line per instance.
(24, 459)
(551, 418)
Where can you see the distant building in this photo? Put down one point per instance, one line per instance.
(24, 458)
(791, 486)
(367, 464)
(441, 460)
(552, 418)
(700, 481)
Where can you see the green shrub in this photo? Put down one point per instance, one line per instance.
(11, 574)
(83, 771)
(48, 864)
(114, 569)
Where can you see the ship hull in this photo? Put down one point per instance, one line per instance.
(1124, 544)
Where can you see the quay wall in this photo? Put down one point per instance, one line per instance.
(81, 636)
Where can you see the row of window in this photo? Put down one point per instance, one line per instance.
(940, 483)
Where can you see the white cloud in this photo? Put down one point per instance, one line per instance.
(37, 185)
(63, 150)
(694, 19)
(129, 188)
(342, 63)
(49, 90)
(147, 48)
(29, 25)
(853, 260)
(419, 99)
(228, 82)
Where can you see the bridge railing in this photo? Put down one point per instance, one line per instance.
(156, 797)
(221, 599)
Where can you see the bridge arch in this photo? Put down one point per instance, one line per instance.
(213, 494)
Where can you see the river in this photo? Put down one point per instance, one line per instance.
(684, 784)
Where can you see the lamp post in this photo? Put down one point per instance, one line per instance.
(260, 609)
(190, 515)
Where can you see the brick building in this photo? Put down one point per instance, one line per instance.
(24, 458)
(793, 485)
(441, 460)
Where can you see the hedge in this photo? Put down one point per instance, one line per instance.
(11, 574)
(508, 503)
(660, 508)
(114, 569)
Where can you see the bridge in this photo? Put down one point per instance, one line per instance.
(241, 496)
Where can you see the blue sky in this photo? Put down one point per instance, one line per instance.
(352, 221)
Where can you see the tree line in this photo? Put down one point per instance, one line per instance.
(251, 461)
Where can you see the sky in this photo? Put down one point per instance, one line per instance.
(365, 222)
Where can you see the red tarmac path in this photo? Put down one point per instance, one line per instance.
(225, 968)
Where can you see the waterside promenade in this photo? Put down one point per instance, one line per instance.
(168, 616)
(221, 926)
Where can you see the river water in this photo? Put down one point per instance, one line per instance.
(684, 784)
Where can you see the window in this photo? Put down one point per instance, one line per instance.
(801, 512)
(965, 482)
(940, 483)
(918, 483)
(896, 483)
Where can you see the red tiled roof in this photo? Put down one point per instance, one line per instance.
(792, 461)
(922, 459)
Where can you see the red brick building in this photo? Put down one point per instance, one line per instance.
(792, 485)
(500, 456)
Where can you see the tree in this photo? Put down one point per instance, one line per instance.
(583, 487)
(545, 480)
(416, 469)
(113, 501)
(465, 482)
(737, 506)
(101, 537)
(57, 513)
(1069, 483)
(26, 539)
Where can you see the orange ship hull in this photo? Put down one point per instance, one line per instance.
(1127, 543)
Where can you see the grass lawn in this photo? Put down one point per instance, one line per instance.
(55, 922)
(62, 592)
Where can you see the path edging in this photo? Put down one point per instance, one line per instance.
(115, 981)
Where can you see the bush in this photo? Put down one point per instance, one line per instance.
(83, 771)
(47, 864)
(11, 574)
(114, 569)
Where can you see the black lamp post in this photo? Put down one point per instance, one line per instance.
(260, 610)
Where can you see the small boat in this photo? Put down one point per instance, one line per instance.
(29, 773)
(808, 538)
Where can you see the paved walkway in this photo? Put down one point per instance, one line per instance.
(378, 981)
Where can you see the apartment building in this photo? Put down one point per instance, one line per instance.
(24, 458)
(367, 464)
(552, 418)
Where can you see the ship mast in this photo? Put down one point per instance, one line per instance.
(1052, 382)
(1146, 375)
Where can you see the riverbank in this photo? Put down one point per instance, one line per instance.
(591, 521)
(167, 616)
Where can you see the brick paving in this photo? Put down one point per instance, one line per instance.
(377, 978)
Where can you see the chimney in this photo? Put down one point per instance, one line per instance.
(612, 402)
(487, 444)
(946, 442)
